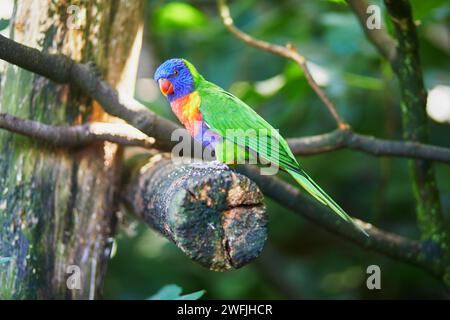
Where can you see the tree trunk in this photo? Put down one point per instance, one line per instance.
(57, 208)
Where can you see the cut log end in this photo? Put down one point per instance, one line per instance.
(214, 215)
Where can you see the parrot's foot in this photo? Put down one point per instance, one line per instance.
(219, 165)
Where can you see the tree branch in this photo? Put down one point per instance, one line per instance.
(339, 139)
(379, 37)
(65, 70)
(288, 52)
(212, 214)
(78, 135)
(407, 67)
(123, 134)
(426, 255)
(143, 119)
(154, 126)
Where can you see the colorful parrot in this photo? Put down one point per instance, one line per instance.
(209, 113)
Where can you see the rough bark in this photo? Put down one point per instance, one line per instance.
(56, 206)
(215, 216)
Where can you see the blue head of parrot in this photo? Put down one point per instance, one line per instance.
(174, 78)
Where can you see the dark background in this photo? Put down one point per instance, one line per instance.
(300, 260)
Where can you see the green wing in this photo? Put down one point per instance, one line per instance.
(222, 111)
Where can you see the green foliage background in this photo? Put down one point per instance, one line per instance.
(300, 261)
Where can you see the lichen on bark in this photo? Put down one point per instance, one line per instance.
(214, 215)
(56, 206)
(407, 66)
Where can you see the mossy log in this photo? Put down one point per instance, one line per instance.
(214, 215)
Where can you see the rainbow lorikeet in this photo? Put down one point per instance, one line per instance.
(209, 113)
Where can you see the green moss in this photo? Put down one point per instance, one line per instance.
(415, 127)
(35, 183)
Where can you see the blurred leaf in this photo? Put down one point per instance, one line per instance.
(364, 82)
(422, 8)
(192, 296)
(4, 260)
(343, 32)
(337, 1)
(240, 88)
(178, 16)
(4, 23)
(173, 292)
(168, 292)
(293, 72)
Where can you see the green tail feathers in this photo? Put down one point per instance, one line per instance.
(313, 189)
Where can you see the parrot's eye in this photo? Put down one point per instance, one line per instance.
(176, 72)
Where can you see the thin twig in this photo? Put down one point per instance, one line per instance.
(77, 135)
(288, 52)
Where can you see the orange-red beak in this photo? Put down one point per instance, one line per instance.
(165, 86)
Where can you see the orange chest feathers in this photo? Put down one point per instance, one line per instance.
(187, 110)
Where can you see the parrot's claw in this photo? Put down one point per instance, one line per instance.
(219, 165)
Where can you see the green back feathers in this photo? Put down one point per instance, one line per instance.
(196, 76)
(222, 111)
